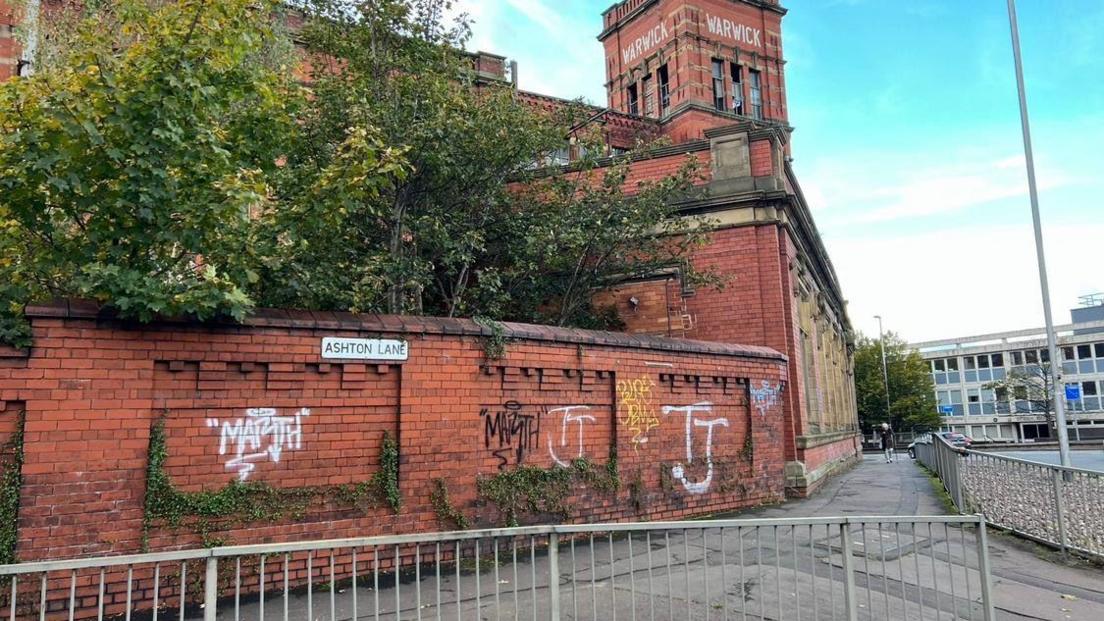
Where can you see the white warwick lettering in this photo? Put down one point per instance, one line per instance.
(738, 32)
(650, 39)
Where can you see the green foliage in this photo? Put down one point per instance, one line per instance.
(164, 161)
(747, 453)
(130, 164)
(529, 490)
(11, 485)
(911, 390)
(444, 509)
(494, 345)
(453, 234)
(239, 502)
(386, 480)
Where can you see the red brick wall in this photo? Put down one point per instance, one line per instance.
(92, 389)
(9, 46)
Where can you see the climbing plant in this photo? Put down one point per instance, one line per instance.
(531, 490)
(11, 483)
(446, 512)
(245, 502)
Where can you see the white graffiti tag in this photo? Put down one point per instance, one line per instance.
(679, 470)
(765, 397)
(569, 417)
(259, 435)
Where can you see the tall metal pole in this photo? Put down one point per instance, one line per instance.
(885, 367)
(1052, 338)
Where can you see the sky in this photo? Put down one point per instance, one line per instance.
(907, 144)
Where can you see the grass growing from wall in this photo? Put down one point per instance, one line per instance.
(11, 484)
(208, 511)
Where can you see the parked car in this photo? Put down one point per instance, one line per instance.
(955, 439)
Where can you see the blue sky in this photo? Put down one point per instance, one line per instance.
(908, 145)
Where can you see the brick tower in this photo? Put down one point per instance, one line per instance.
(695, 64)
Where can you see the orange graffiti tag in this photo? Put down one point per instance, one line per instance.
(635, 409)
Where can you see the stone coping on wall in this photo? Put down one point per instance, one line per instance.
(418, 325)
(813, 441)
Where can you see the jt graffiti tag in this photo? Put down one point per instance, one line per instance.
(508, 431)
(679, 470)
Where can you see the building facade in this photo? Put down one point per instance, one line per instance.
(964, 370)
(708, 76)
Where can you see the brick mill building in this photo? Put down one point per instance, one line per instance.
(710, 76)
(770, 353)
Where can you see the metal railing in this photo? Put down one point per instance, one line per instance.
(1058, 506)
(803, 569)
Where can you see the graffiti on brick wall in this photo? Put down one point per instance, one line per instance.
(635, 409)
(765, 396)
(691, 413)
(513, 431)
(509, 432)
(577, 414)
(261, 434)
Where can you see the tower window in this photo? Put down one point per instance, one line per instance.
(756, 80)
(649, 96)
(664, 89)
(634, 100)
(718, 84)
(738, 89)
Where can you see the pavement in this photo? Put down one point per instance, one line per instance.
(901, 571)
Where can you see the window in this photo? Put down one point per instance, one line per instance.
(634, 100)
(1088, 389)
(952, 364)
(1084, 352)
(1017, 358)
(738, 89)
(649, 96)
(756, 81)
(940, 365)
(1031, 356)
(1100, 350)
(998, 360)
(1067, 353)
(718, 84)
(664, 89)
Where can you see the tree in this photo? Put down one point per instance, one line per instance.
(1030, 390)
(130, 162)
(911, 389)
(477, 224)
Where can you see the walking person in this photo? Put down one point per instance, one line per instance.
(887, 443)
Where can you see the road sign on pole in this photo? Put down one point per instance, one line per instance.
(1073, 392)
(946, 409)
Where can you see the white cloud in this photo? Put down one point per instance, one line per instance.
(963, 281)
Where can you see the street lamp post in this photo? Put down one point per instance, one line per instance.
(885, 367)
(1052, 338)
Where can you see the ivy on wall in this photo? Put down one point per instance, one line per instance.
(237, 503)
(446, 512)
(11, 483)
(534, 491)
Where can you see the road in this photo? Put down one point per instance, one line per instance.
(748, 573)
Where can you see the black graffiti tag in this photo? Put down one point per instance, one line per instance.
(507, 430)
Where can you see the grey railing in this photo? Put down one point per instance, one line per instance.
(1058, 506)
(824, 568)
